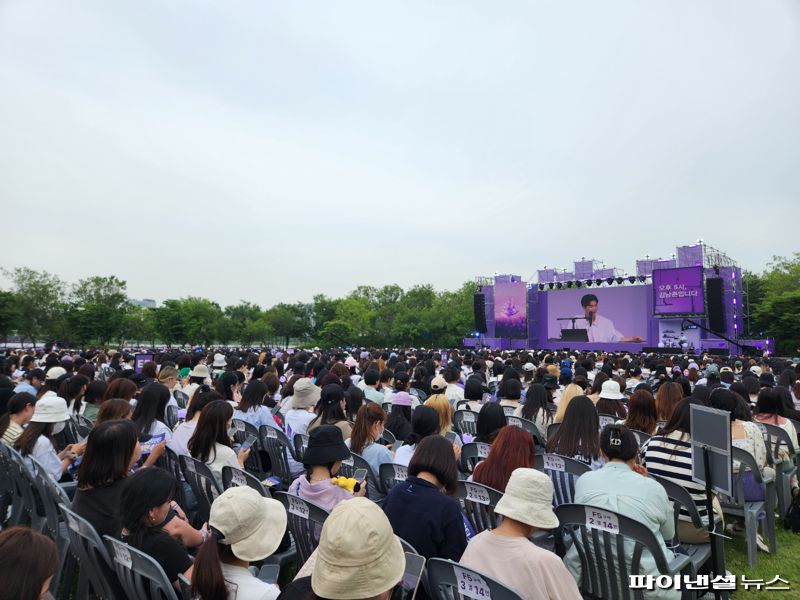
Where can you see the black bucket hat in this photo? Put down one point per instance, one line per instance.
(325, 445)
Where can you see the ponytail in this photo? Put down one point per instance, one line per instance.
(208, 582)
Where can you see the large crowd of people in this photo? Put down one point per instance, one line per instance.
(105, 428)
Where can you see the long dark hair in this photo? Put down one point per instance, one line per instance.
(70, 390)
(109, 450)
(225, 384)
(680, 420)
(145, 490)
(579, 433)
(150, 407)
(212, 428)
(399, 422)
(253, 396)
(329, 410)
(27, 440)
(120, 388)
(200, 400)
(208, 580)
(536, 399)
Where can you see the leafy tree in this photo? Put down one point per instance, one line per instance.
(97, 309)
(776, 313)
(40, 303)
(8, 313)
(289, 321)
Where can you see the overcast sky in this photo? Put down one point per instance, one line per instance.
(271, 150)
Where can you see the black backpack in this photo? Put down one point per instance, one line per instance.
(792, 518)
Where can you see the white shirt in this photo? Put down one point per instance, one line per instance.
(296, 421)
(179, 443)
(44, 452)
(243, 586)
(602, 329)
(222, 456)
(454, 393)
(404, 454)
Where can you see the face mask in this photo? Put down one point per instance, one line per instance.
(59, 427)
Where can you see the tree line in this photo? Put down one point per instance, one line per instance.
(97, 310)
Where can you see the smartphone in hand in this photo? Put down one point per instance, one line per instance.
(360, 475)
(251, 439)
(269, 573)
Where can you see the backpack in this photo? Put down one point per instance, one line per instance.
(792, 518)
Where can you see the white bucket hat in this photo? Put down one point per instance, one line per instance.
(219, 361)
(50, 409)
(306, 394)
(55, 373)
(611, 391)
(200, 371)
(358, 556)
(253, 526)
(529, 499)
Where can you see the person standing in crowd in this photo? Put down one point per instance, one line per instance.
(322, 458)
(623, 487)
(243, 528)
(19, 413)
(368, 429)
(506, 553)
(198, 376)
(513, 448)
(421, 510)
(28, 563)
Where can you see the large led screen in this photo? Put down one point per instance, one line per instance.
(678, 291)
(510, 310)
(598, 315)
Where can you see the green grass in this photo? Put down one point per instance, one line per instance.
(785, 563)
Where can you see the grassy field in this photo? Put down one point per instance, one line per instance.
(786, 564)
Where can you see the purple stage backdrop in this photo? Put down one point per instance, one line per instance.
(510, 310)
(621, 315)
(678, 291)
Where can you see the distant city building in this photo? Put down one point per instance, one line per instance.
(145, 303)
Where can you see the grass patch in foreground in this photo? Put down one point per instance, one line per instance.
(785, 563)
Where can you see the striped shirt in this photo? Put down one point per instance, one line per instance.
(670, 457)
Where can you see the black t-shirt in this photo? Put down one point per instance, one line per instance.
(100, 506)
(172, 557)
(299, 589)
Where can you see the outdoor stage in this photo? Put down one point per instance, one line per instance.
(689, 303)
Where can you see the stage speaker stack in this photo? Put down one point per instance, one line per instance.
(479, 307)
(716, 306)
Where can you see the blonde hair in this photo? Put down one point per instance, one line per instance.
(570, 392)
(167, 372)
(444, 409)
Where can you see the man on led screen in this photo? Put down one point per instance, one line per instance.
(599, 328)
